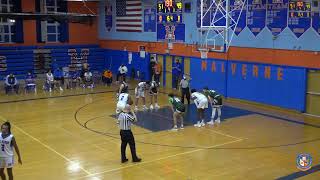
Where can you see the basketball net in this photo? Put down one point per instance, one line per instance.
(203, 53)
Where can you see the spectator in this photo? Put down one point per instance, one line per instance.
(30, 82)
(85, 67)
(176, 73)
(157, 72)
(107, 77)
(11, 83)
(58, 78)
(152, 69)
(88, 81)
(122, 72)
(75, 79)
(49, 80)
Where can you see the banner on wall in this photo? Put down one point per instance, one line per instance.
(277, 16)
(108, 16)
(256, 16)
(150, 21)
(170, 31)
(299, 19)
(234, 6)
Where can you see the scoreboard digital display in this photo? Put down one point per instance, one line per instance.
(169, 11)
(170, 18)
(169, 6)
(299, 8)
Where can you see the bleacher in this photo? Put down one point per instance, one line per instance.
(20, 59)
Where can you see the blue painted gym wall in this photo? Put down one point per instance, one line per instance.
(289, 91)
(285, 40)
(280, 86)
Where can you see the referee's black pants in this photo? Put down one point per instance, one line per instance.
(127, 137)
(185, 92)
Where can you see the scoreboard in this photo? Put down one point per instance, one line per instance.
(299, 9)
(169, 11)
(169, 6)
(299, 19)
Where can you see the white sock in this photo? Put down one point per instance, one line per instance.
(213, 113)
(219, 113)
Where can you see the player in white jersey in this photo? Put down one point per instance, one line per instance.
(201, 102)
(8, 142)
(140, 93)
(123, 100)
(153, 92)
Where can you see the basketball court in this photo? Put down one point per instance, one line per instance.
(76, 137)
(262, 57)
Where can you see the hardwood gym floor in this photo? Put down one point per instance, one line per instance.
(74, 137)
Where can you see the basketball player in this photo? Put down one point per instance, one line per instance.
(178, 109)
(8, 142)
(140, 93)
(201, 102)
(215, 100)
(124, 99)
(124, 88)
(153, 92)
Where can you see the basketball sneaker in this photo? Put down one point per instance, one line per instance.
(181, 127)
(197, 125)
(175, 128)
(151, 107)
(218, 121)
(157, 106)
(202, 123)
(210, 122)
(145, 107)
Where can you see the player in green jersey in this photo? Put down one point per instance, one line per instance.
(178, 109)
(216, 103)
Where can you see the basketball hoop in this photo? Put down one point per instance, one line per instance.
(203, 53)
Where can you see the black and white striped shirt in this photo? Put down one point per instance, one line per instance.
(125, 121)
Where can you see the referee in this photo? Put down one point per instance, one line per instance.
(185, 90)
(125, 119)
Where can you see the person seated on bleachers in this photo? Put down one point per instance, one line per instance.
(75, 79)
(11, 83)
(88, 81)
(58, 78)
(107, 77)
(84, 69)
(49, 81)
(30, 82)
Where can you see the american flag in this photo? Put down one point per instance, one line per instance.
(129, 15)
